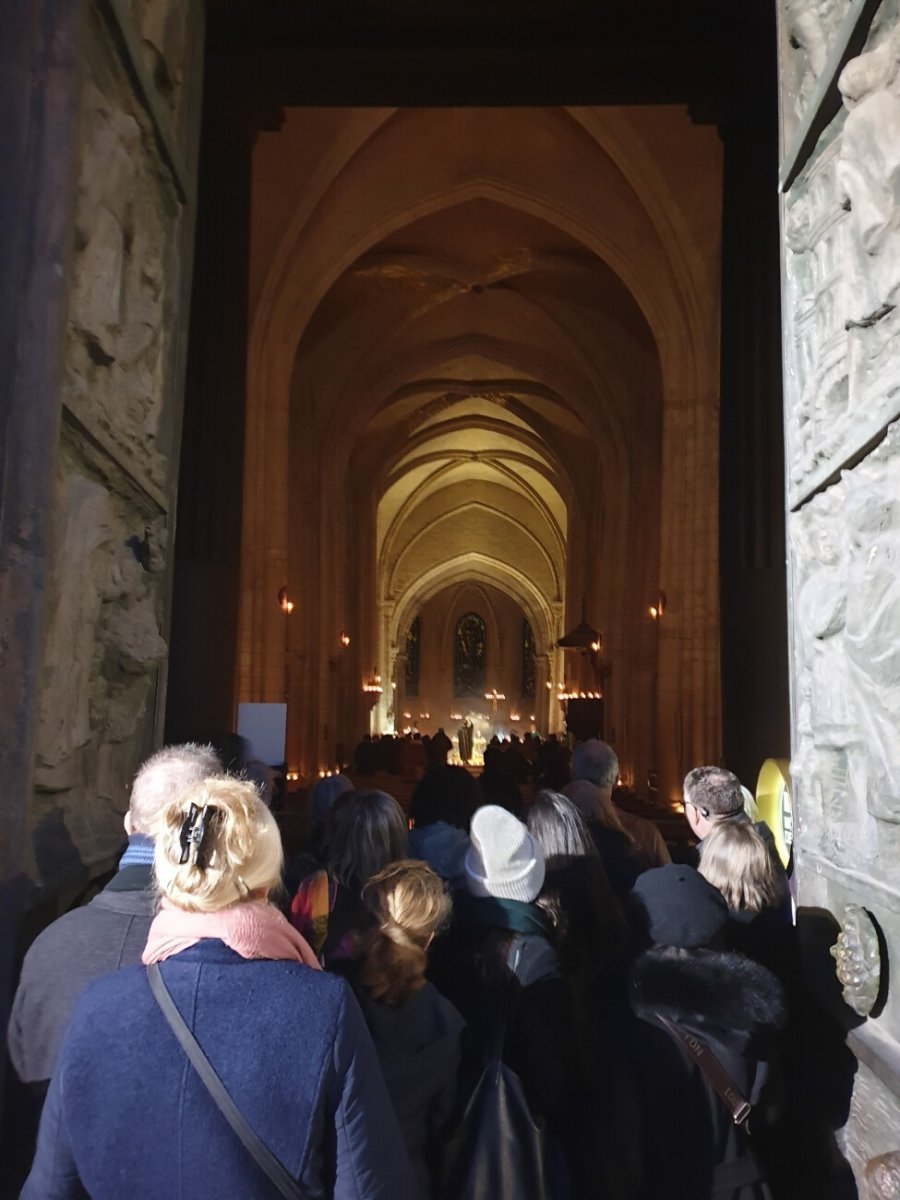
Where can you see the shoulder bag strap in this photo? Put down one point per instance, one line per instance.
(714, 1072)
(507, 1005)
(264, 1157)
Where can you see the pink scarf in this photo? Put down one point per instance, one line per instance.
(253, 929)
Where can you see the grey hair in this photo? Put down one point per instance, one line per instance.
(596, 762)
(714, 791)
(164, 776)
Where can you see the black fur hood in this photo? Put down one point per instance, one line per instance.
(707, 989)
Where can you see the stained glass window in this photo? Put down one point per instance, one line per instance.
(469, 656)
(413, 638)
(527, 658)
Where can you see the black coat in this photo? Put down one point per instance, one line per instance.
(618, 857)
(691, 1147)
(418, 1046)
(488, 972)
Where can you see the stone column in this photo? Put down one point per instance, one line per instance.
(541, 692)
(202, 700)
(755, 691)
(400, 690)
(38, 144)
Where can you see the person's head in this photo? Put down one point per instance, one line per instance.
(675, 906)
(444, 793)
(324, 793)
(711, 794)
(163, 777)
(735, 858)
(216, 845)
(503, 859)
(496, 787)
(409, 904)
(558, 828)
(596, 762)
(368, 831)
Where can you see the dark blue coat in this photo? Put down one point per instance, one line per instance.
(126, 1114)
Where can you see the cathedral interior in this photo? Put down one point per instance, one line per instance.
(361, 351)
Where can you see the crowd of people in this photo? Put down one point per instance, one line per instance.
(218, 1021)
(529, 759)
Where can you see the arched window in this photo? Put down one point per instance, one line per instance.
(413, 638)
(527, 658)
(469, 656)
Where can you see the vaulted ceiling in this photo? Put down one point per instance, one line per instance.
(468, 326)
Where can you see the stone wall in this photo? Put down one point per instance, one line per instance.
(102, 680)
(841, 232)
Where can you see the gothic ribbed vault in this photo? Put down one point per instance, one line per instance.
(483, 352)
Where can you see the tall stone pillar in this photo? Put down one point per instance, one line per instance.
(97, 217)
(202, 700)
(755, 717)
(42, 54)
(541, 692)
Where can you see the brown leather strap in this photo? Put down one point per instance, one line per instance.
(715, 1073)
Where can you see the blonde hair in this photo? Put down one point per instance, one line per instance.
(240, 852)
(735, 858)
(164, 776)
(410, 904)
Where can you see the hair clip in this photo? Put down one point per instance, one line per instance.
(193, 831)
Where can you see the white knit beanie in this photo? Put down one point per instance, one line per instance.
(503, 860)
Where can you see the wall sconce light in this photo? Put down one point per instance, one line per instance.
(514, 716)
(407, 716)
(658, 609)
(292, 776)
(345, 639)
(549, 686)
(286, 606)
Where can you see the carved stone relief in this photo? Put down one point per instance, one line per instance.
(846, 572)
(104, 645)
(126, 224)
(163, 27)
(101, 659)
(842, 226)
(815, 229)
(829, 748)
(809, 29)
(869, 176)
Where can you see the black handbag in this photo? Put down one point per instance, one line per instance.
(259, 1152)
(498, 1148)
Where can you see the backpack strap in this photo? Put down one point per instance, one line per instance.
(713, 1071)
(260, 1153)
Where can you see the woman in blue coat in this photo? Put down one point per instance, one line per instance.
(127, 1114)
